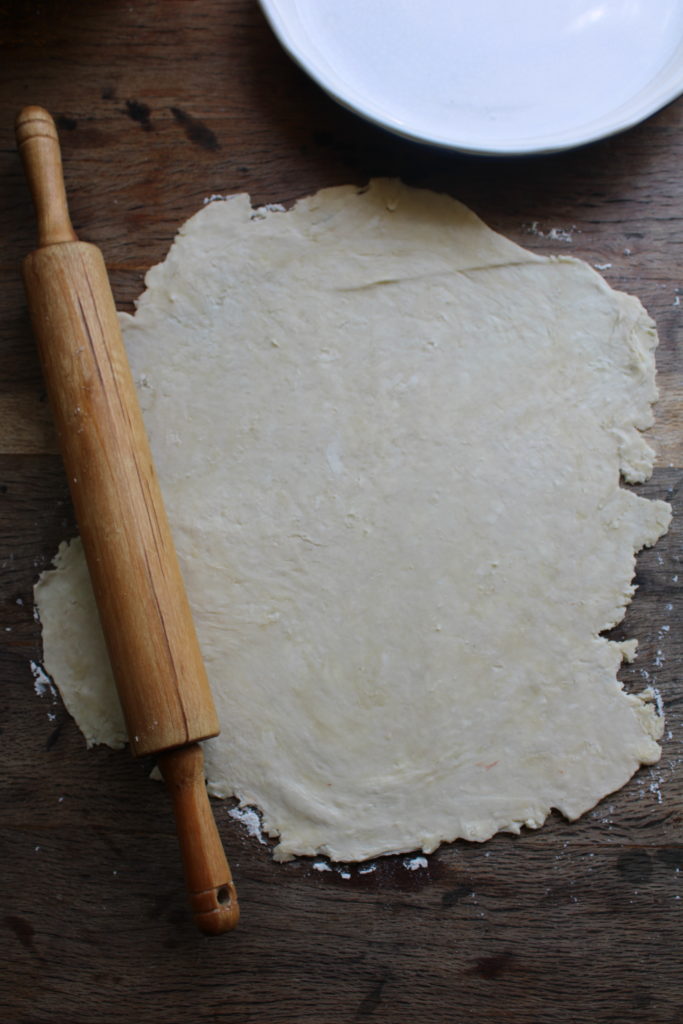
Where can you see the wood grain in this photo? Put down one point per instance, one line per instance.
(145, 614)
(213, 897)
(160, 104)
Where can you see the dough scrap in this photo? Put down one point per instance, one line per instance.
(390, 442)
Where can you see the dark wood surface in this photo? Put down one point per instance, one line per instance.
(161, 103)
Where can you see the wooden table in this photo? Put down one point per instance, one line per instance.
(161, 103)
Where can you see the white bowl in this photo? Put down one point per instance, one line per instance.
(490, 76)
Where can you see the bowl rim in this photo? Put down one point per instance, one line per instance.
(621, 118)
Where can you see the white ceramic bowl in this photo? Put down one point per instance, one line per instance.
(490, 76)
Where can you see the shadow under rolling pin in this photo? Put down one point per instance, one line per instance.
(145, 615)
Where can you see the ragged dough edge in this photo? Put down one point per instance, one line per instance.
(635, 456)
(336, 214)
(83, 676)
(531, 815)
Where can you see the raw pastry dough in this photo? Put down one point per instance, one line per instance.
(390, 443)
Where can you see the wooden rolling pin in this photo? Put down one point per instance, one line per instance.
(142, 603)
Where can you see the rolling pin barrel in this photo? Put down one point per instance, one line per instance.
(134, 569)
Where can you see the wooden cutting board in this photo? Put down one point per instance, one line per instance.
(160, 104)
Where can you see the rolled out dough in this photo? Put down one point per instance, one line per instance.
(390, 442)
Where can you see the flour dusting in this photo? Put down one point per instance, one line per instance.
(42, 682)
(248, 817)
(415, 863)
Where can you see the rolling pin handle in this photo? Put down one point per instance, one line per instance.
(38, 143)
(211, 891)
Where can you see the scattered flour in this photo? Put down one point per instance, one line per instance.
(42, 682)
(415, 863)
(659, 703)
(261, 212)
(248, 817)
(555, 234)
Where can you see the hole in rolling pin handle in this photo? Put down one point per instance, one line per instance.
(223, 895)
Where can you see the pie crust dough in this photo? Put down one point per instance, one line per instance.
(390, 442)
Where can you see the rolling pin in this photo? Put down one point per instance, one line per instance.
(143, 607)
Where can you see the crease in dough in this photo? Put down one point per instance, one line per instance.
(390, 442)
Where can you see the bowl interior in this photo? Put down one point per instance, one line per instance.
(491, 76)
